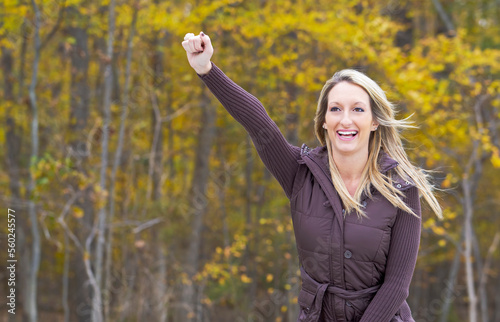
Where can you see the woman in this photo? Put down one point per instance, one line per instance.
(354, 199)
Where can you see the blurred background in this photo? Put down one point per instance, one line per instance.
(138, 198)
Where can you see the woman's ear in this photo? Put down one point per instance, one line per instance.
(374, 125)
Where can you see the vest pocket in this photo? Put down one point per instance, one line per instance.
(353, 310)
(350, 313)
(302, 315)
(305, 300)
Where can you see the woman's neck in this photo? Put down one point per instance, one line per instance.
(351, 169)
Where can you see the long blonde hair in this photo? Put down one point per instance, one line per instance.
(386, 137)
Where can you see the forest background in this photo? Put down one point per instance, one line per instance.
(138, 198)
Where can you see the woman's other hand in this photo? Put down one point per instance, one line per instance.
(199, 50)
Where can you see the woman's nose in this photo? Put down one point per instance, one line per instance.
(346, 119)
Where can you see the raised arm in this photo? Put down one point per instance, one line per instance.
(401, 260)
(279, 156)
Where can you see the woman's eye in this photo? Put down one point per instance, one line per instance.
(334, 109)
(359, 109)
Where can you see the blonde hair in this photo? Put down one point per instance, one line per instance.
(386, 137)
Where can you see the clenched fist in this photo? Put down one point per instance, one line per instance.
(199, 50)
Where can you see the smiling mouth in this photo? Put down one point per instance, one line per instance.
(347, 135)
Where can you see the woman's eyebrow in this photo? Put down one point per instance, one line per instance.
(337, 103)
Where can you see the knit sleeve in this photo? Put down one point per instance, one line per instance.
(279, 156)
(401, 260)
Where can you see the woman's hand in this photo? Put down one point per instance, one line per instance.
(199, 50)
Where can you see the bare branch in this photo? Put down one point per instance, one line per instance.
(62, 222)
(177, 113)
(444, 16)
(146, 225)
(489, 259)
(56, 26)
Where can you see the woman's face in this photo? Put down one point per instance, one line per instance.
(349, 119)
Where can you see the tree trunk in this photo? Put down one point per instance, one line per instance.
(471, 177)
(485, 273)
(469, 270)
(161, 283)
(449, 295)
(155, 154)
(250, 249)
(154, 187)
(483, 296)
(108, 87)
(131, 273)
(65, 278)
(222, 183)
(80, 92)
(22, 62)
(158, 86)
(32, 284)
(13, 144)
(116, 163)
(171, 173)
(78, 118)
(497, 300)
(12, 139)
(199, 205)
(8, 77)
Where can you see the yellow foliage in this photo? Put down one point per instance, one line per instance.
(495, 158)
(245, 279)
(446, 183)
(429, 223)
(77, 212)
(438, 230)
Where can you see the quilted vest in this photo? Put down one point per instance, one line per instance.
(342, 257)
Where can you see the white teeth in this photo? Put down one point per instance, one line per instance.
(347, 132)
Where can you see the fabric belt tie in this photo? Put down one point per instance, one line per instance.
(314, 311)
